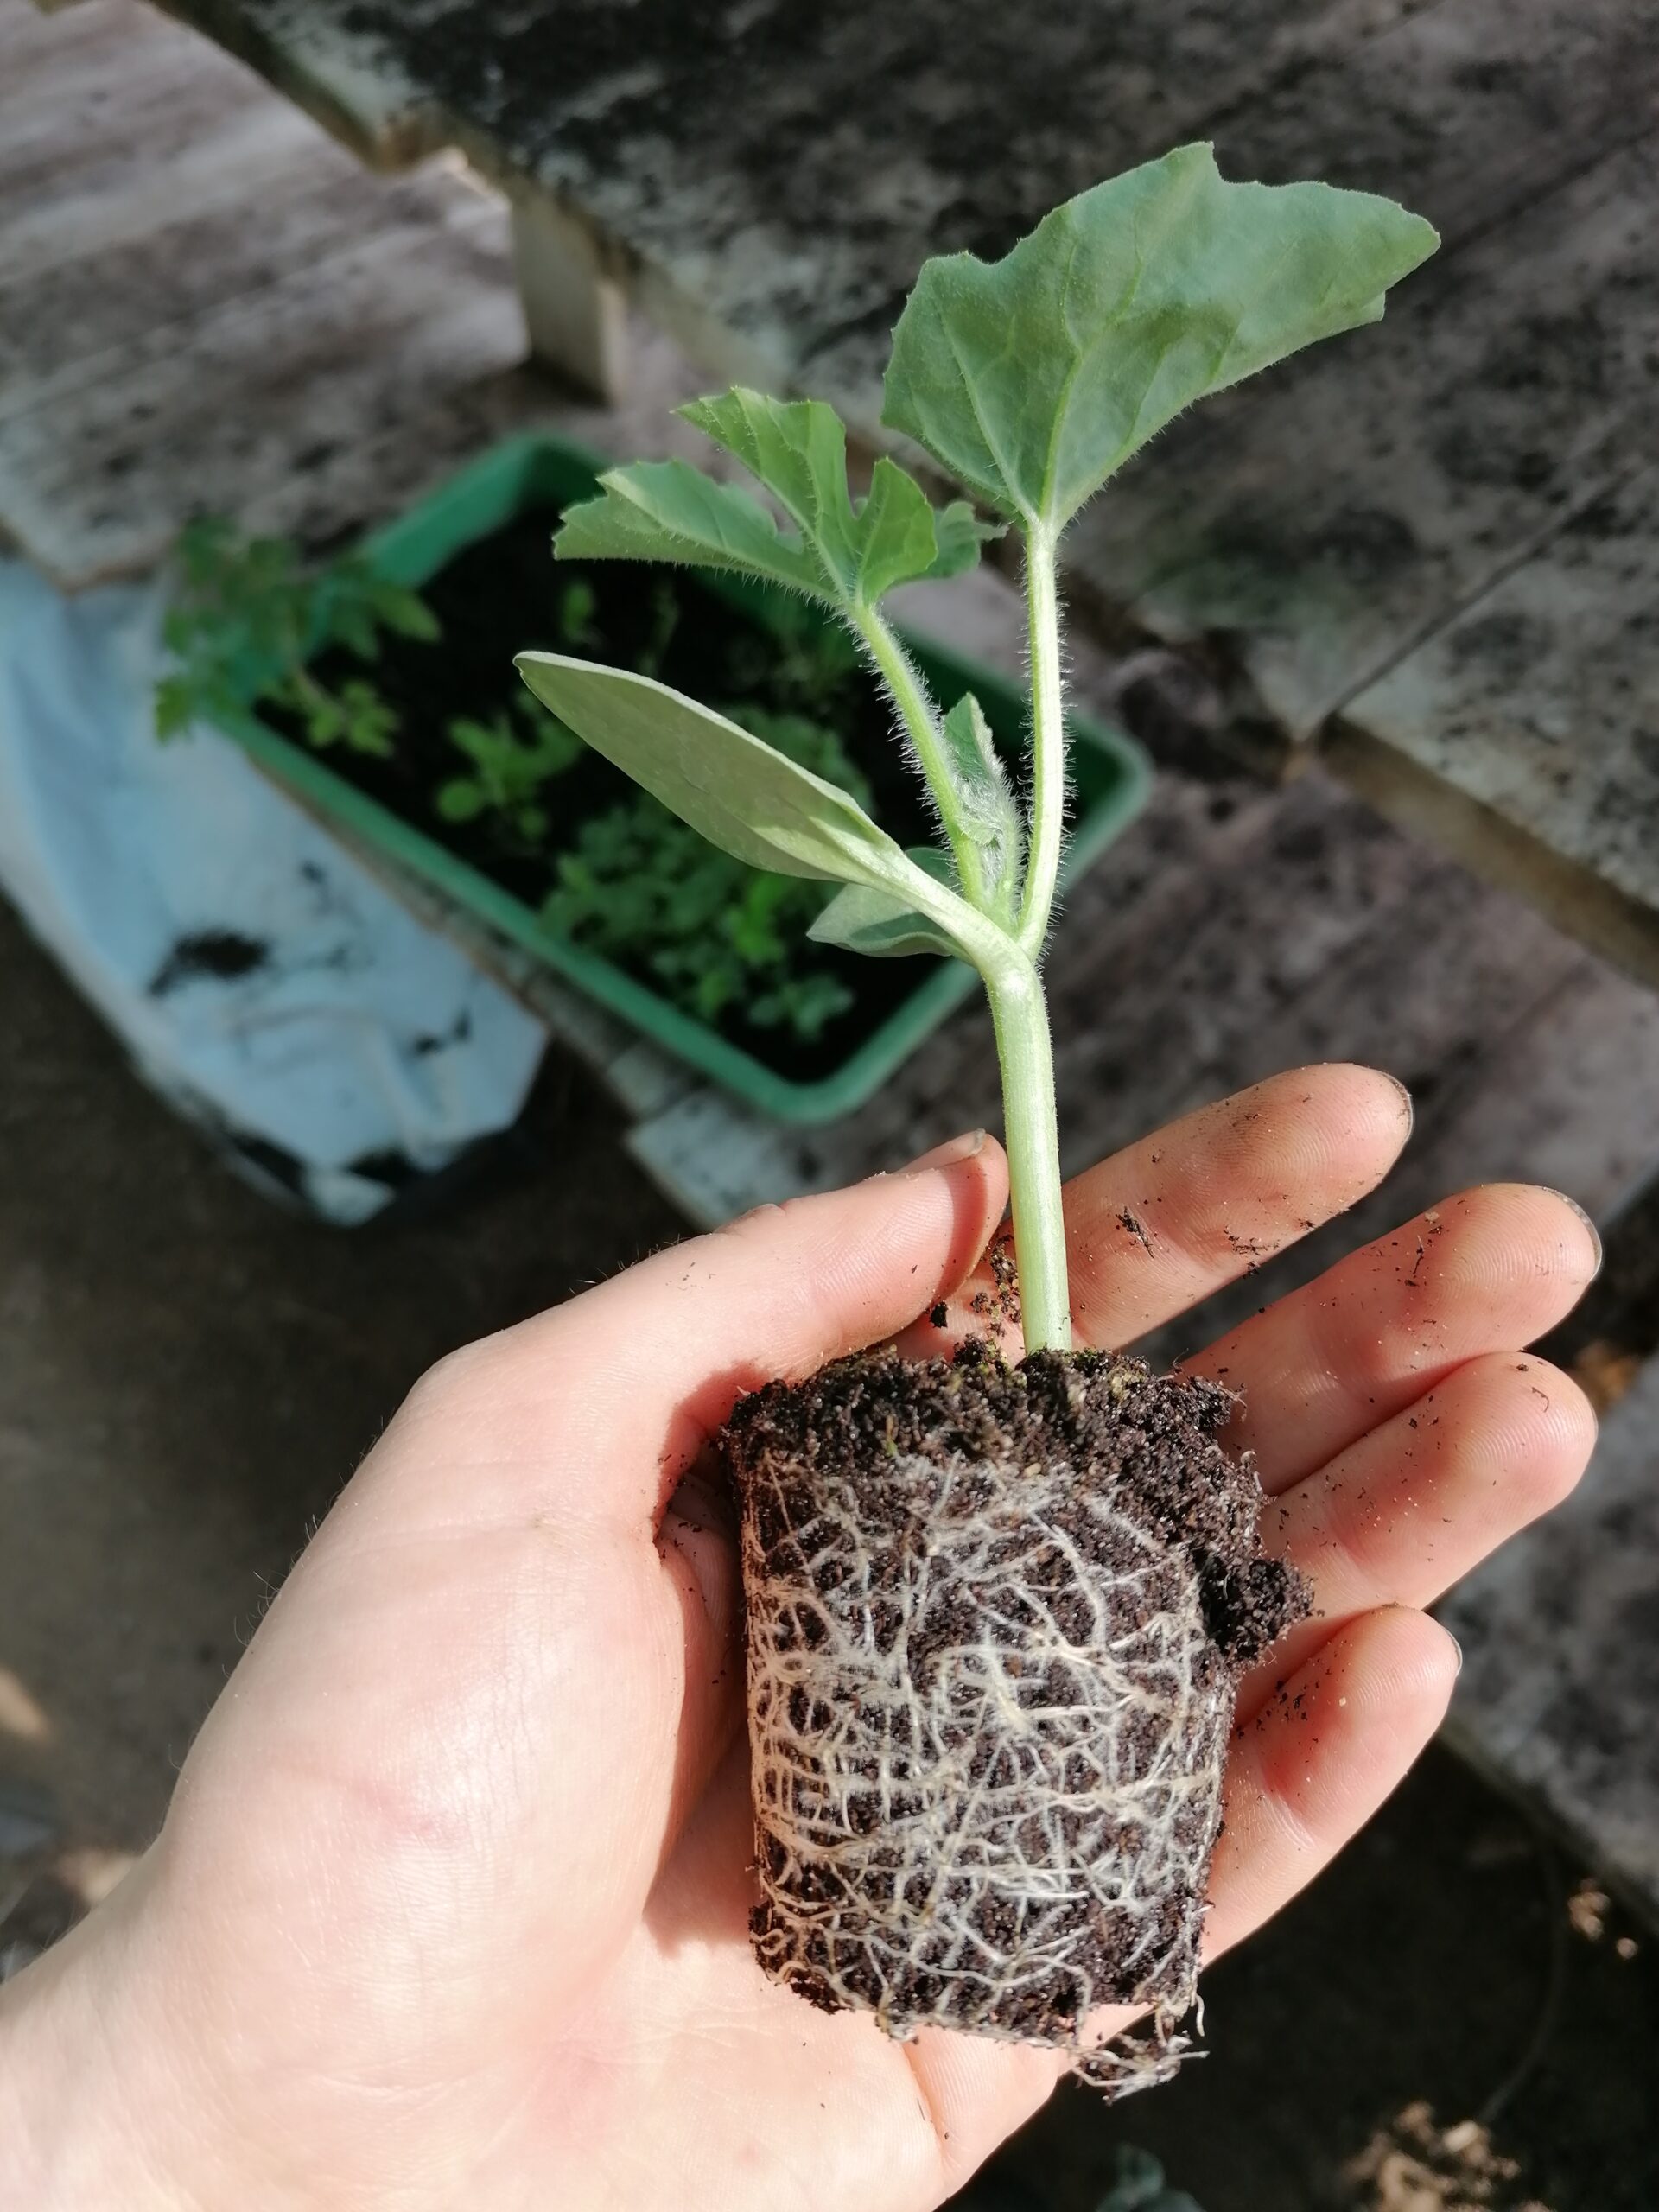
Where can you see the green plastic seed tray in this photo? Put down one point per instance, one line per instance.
(1111, 777)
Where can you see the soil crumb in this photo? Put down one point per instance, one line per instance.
(1413, 2165)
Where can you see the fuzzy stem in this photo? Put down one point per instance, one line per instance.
(910, 696)
(1048, 743)
(1032, 1134)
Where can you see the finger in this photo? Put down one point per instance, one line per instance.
(1413, 1505)
(1310, 1769)
(1164, 1223)
(1489, 1269)
(1417, 1502)
(604, 1402)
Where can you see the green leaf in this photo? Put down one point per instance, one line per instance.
(369, 722)
(176, 707)
(668, 511)
(960, 533)
(402, 609)
(1032, 378)
(850, 554)
(737, 792)
(860, 919)
(986, 812)
(460, 800)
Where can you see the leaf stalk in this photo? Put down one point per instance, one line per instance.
(1047, 742)
(1031, 1135)
(917, 710)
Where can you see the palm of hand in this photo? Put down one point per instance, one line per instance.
(452, 1905)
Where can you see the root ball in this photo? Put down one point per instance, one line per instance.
(996, 1620)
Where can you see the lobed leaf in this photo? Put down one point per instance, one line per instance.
(850, 554)
(668, 511)
(742, 795)
(1032, 378)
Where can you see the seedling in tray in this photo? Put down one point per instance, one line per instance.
(996, 1614)
(247, 612)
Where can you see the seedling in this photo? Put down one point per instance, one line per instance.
(1031, 381)
(644, 889)
(509, 769)
(246, 619)
(996, 1615)
(248, 626)
(577, 605)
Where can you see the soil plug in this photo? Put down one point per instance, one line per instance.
(997, 1614)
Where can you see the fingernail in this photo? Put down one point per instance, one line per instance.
(947, 1155)
(1595, 1233)
(1407, 1101)
(1458, 1648)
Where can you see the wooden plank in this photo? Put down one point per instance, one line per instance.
(364, 102)
(575, 308)
(1312, 533)
(1540, 704)
(289, 382)
(28, 33)
(252, 207)
(779, 241)
(143, 84)
(763, 240)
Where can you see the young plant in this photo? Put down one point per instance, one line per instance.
(509, 768)
(642, 888)
(247, 617)
(1031, 381)
(578, 604)
(996, 1617)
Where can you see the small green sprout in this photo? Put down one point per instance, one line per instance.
(508, 769)
(1030, 381)
(578, 604)
(665, 621)
(247, 618)
(715, 937)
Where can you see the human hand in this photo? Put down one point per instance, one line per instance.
(450, 1908)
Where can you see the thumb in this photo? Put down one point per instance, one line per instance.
(621, 1388)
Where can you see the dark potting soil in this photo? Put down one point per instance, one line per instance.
(498, 597)
(223, 955)
(941, 1523)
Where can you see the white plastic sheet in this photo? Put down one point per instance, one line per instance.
(261, 979)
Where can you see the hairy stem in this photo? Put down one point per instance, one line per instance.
(1032, 1135)
(910, 696)
(1047, 744)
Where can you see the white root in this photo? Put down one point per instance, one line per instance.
(987, 1722)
